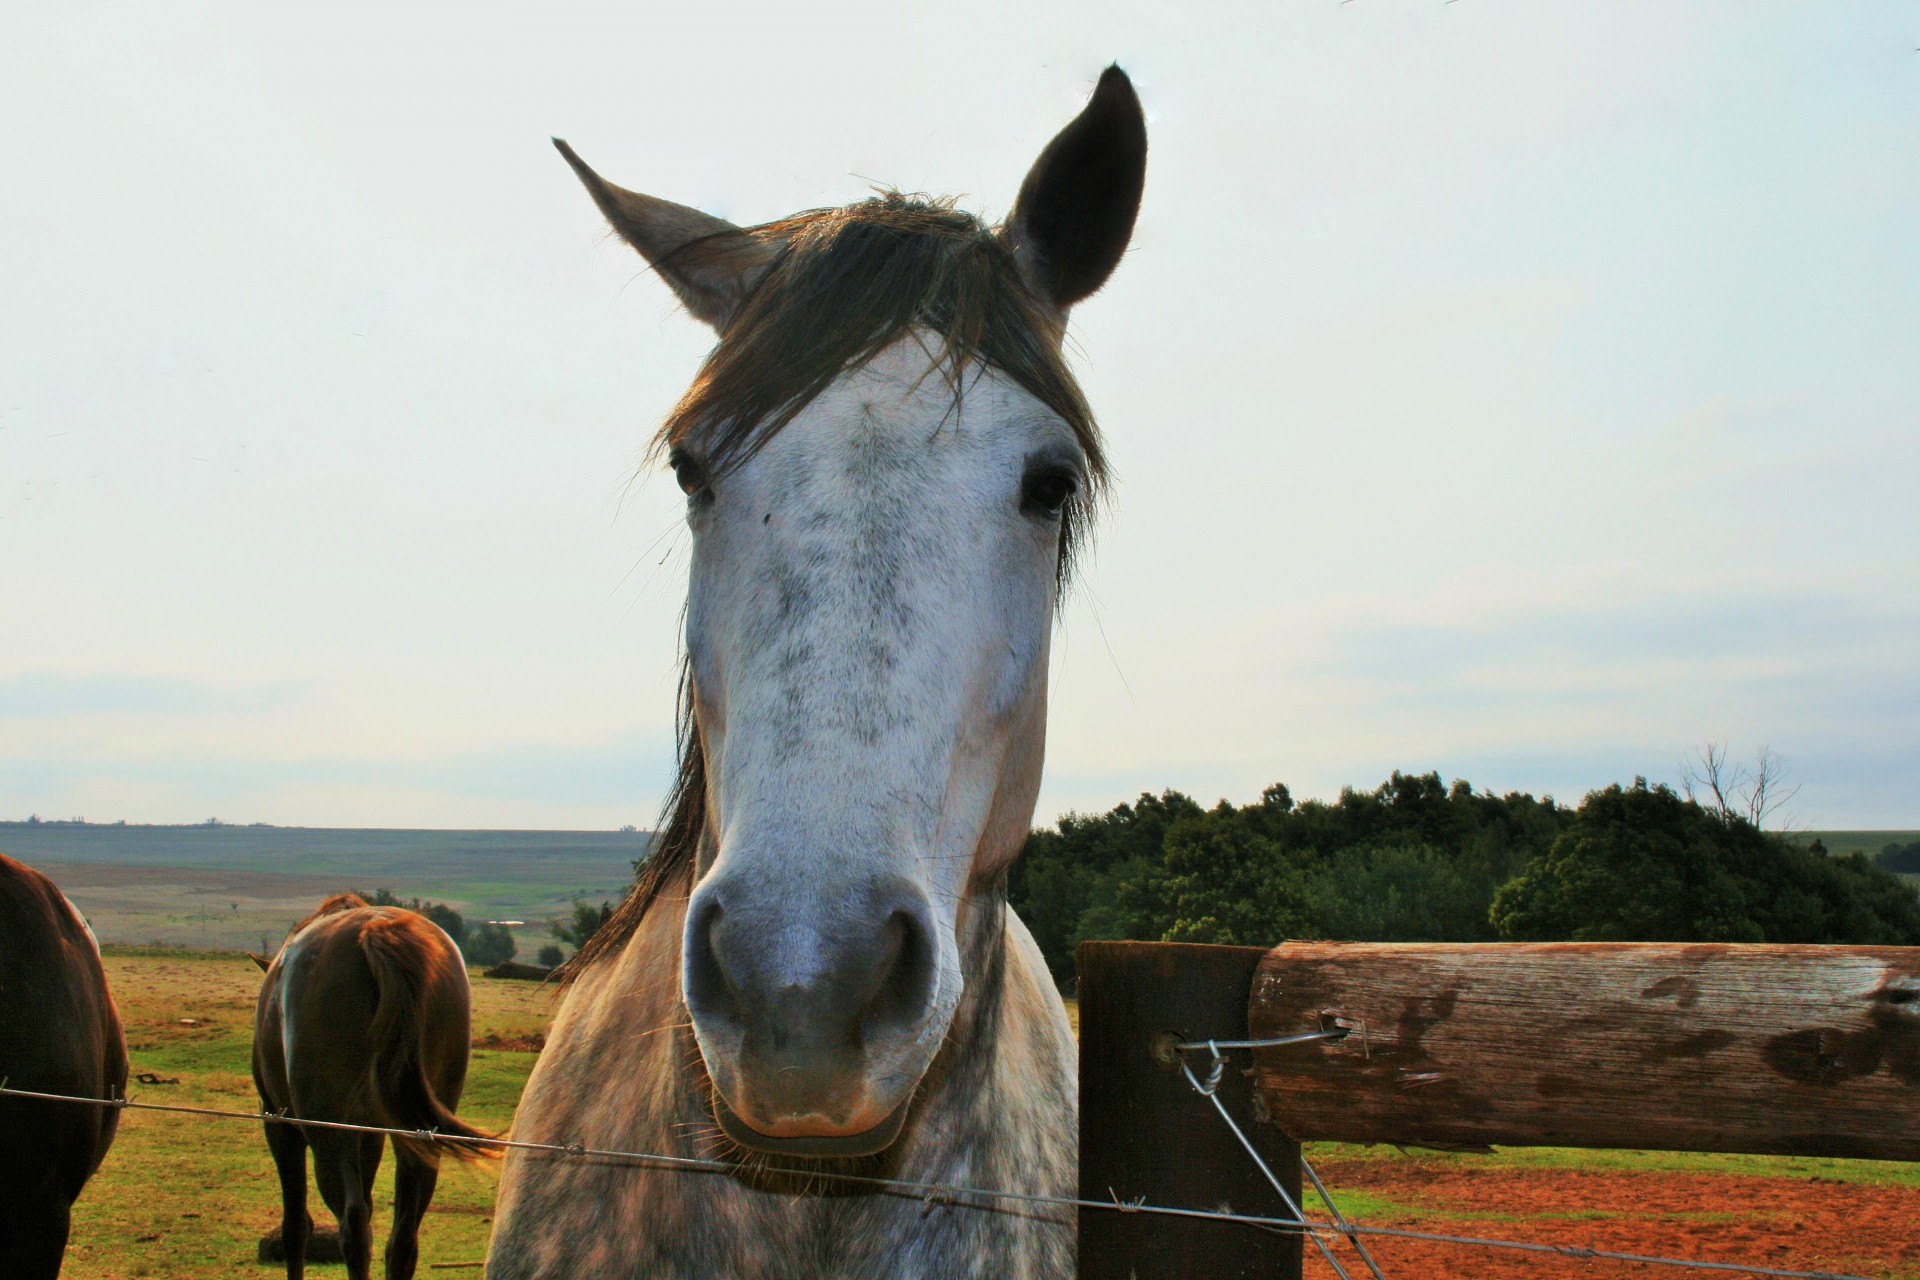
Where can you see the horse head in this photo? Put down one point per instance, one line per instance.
(886, 462)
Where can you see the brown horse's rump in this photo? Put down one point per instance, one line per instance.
(363, 1019)
(59, 1033)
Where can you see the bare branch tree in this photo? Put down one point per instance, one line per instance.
(1709, 772)
(1764, 794)
(1714, 781)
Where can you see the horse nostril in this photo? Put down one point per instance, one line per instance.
(784, 995)
(708, 989)
(908, 976)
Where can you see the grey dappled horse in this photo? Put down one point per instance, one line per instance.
(886, 463)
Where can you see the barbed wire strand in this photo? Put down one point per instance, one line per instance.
(1210, 1091)
(934, 1192)
(694, 1164)
(1339, 1219)
(1214, 1073)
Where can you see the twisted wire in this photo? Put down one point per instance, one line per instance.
(938, 1193)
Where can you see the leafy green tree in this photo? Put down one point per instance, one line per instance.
(1411, 859)
(1067, 882)
(551, 956)
(1869, 904)
(1642, 864)
(1897, 857)
(586, 922)
(490, 944)
(1403, 891)
(1227, 881)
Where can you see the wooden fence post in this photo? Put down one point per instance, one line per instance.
(1146, 1135)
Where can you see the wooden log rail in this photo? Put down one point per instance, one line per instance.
(1791, 1050)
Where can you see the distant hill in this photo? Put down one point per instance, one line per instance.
(1867, 842)
(240, 887)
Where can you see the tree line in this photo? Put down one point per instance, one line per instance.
(490, 943)
(485, 944)
(1415, 860)
(1904, 858)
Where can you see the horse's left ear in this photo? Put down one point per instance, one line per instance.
(1076, 209)
(710, 263)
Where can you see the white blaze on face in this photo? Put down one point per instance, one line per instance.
(868, 626)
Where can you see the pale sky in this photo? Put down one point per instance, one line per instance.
(1525, 391)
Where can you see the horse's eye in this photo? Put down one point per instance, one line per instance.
(1045, 491)
(688, 471)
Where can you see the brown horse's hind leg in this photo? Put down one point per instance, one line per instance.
(336, 1167)
(290, 1158)
(372, 1147)
(33, 1237)
(413, 1183)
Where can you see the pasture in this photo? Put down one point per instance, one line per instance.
(1862, 842)
(190, 1198)
(239, 888)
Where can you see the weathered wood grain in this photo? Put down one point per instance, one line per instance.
(1797, 1050)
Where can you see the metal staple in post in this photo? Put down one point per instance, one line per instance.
(1272, 1042)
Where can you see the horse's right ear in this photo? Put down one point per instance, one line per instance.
(1076, 209)
(264, 963)
(710, 263)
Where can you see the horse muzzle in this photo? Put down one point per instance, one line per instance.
(816, 1025)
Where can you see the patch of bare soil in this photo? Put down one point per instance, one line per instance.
(511, 1042)
(1808, 1224)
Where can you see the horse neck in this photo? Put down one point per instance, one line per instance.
(983, 961)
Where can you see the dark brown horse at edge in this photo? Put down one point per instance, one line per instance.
(363, 1019)
(59, 1033)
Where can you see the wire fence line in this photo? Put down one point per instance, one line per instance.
(1209, 1088)
(939, 1194)
(1210, 1091)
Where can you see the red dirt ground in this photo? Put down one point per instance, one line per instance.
(1806, 1224)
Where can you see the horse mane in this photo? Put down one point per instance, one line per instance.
(845, 285)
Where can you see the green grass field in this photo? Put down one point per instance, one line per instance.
(187, 1197)
(190, 1198)
(241, 887)
(1867, 842)
(1865, 1173)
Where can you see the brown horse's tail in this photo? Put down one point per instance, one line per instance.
(402, 1096)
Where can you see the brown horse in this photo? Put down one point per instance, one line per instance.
(59, 1033)
(363, 1019)
(886, 459)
